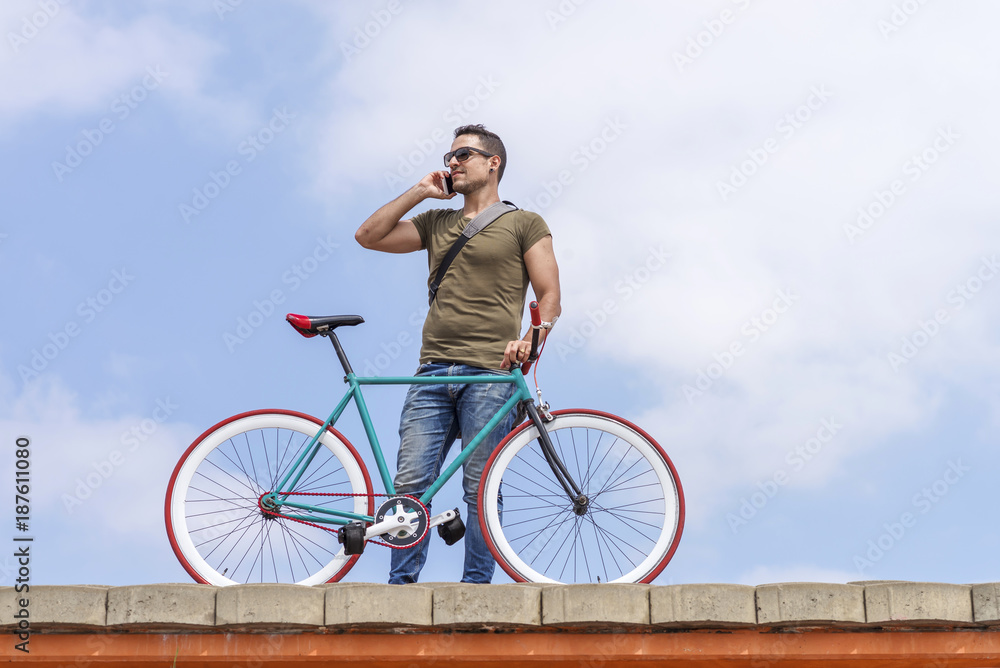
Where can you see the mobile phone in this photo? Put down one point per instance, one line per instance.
(448, 189)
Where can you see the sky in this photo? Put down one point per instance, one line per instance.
(775, 222)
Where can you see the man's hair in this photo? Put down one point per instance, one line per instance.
(491, 142)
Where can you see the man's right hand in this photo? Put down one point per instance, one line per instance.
(432, 185)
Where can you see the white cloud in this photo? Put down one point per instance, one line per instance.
(78, 63)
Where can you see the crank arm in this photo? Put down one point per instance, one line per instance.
(446, 516)
(390, 524)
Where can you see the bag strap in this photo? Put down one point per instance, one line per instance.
(477, 225)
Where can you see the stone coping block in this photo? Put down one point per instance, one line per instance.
(810, 602)
(587, 604)
(477, 605)
(701, 605)
(908, 602)
(57, 605)
(269, 604)
(185, 604)
(986, 602)
(357, 603)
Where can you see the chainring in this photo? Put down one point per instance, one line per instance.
(413, 520)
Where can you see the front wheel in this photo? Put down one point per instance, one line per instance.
(216, 528)
(631, 527)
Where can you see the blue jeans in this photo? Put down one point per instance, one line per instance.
(433, 417)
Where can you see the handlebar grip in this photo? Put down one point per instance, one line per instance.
(536, 320)
(526, 367)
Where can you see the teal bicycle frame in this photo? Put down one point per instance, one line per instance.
(277, 499)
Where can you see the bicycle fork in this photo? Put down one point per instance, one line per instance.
(580, 501)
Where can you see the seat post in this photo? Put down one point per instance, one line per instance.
(340, 351)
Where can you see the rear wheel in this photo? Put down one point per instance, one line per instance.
(632, 525)
(215, 526)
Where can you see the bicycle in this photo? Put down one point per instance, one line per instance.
(584, 496)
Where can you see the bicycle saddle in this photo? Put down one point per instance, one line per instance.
(309, 326)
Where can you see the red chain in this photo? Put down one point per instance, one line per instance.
(332, 530)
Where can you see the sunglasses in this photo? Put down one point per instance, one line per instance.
(463, 154)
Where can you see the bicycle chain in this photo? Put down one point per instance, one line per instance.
(331, 530)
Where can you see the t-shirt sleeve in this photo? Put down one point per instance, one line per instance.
(422, 221)
(533, 230)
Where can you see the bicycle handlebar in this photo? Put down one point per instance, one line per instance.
(536, 322)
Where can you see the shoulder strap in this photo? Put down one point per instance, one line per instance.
(477, 225)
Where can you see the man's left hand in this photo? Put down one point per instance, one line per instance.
(516, 352)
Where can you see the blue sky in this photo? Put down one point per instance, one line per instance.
(776, 225)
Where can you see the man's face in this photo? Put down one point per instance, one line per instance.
(473, 174)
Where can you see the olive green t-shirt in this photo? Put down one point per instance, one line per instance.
(480, 301)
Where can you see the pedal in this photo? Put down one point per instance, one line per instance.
(352, 537)
(453, 530)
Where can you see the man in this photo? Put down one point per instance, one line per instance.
(472, 327)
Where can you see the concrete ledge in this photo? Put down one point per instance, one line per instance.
(58, 606)
(810, 602)
(703, 605)
(918, 602)
(986, 603)
(595, 604)
(271, 605)
(379, 608)
(476, 605)
(165, 605)
(353, 604)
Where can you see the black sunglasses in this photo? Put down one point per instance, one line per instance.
(463, 154)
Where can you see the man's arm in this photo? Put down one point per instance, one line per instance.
(543, 272)
(386, 231)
